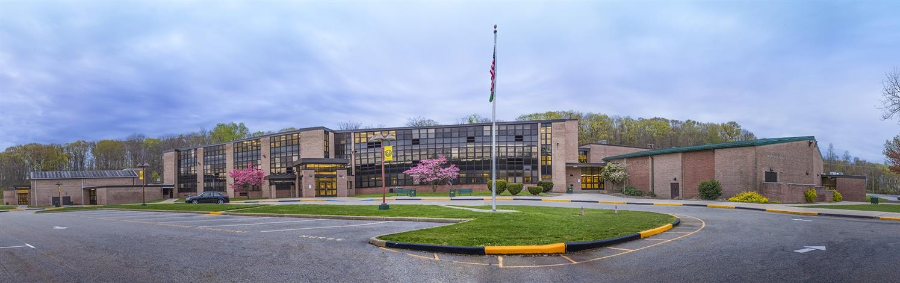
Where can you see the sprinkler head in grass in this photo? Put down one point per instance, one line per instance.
(582, 211)
(616, 211)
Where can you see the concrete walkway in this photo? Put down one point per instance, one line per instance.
(168, 201)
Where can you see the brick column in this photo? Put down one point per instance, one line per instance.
(307, 183)
(229, 166)
(265, 150)
(200, 165)
(342, 189)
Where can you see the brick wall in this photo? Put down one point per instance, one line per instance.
(852, 189)
(792, 193)
(126, 195)
(600, 151)
(666, 171)
(698, 166)
(44, 190)
(10, 198)
(638, 170)
(170, 167)
(312, 144)
(793, 161)
(265, 164)
(565, 149)
(736, 170)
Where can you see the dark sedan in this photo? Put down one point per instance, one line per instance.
(208, 197)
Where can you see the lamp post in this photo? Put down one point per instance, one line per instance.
(143, 183)
(381, 139)
(59, 197)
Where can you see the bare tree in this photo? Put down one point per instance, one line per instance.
(473, 119)
(349, 125)
(891, 92)
(420, 122)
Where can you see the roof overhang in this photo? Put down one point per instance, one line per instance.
(321, 161)
(587, 165)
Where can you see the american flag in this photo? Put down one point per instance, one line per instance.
(493, 68)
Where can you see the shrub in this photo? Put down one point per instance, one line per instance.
(615, 173)
(632, 191)
(514, 188)
(501, 186)
(838, 197)
(710, 190)
(546, 186)
(652, 194)
(749, 196)
(535, 190)
(810, 195)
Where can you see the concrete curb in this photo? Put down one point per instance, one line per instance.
(555, 248)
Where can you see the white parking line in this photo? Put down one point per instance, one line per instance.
(323, 227)
(262, 223)
(12, 247)
(222, 219)
(119, 217)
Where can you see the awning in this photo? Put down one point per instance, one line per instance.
(321, 161)
(282, 177)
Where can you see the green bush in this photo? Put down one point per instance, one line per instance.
(749, 196)
(710, 190)
(632, 191)
(810, 195)
(501, 186)
(652, 194)
(837, 197)
(546, 186)
(535, 190)
(514, 188)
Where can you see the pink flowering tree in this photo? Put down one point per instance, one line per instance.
(431, 171)
(244, 179)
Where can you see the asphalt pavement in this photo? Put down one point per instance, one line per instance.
(712, 245)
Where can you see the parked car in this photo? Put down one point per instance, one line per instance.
(208, 197)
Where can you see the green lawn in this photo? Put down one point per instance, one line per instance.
(420, 193)
(532, 225)
(864, 207)
(173, 207)
(7, 207)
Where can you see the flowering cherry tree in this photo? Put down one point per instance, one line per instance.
(244, 179)
(431, 171)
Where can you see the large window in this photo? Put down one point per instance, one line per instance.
(187, 171)
(214, 168)
(247, 153)
(583, 155)
(343, 147)
(466, 146)
(546, 151)
(285, 150)
(327, 143)
(591, 178)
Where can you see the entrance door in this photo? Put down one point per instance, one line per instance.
(674, 190)
(22, 198)
(92, 196)
(326, 187)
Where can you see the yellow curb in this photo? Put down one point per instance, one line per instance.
(557, 248)
(611, 202)
(557, 200)
(215, 213)
(889, 218)
(16, 209)
(657, 230)
(668, 204)
(792, 212)
(720, 206)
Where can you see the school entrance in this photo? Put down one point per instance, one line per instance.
(324, 175)
(22, 194)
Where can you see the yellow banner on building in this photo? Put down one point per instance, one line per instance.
(141, 175)
(388, 153)
(21, 191)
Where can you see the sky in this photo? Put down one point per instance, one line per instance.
(107, 69)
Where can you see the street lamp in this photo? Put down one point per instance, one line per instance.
(381, 139)
(59, 191)
(143, 183)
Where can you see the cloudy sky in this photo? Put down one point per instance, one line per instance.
(106, 69)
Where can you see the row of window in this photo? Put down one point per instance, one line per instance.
(214, 168)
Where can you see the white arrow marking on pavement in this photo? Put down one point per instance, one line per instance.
(59, 228)
(30, 246)
(12, 247)
(810, 248)
(807, 220)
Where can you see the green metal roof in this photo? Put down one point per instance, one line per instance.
(758, 142)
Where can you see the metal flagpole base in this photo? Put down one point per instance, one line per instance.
(383, 206)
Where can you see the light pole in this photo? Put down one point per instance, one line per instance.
(381, 139)
(143, 183)
(59, 197)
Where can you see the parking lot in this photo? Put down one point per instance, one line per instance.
(710, 245)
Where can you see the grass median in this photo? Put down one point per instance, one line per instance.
(863, 207)
(532, 225)
(420, 193)
(168, 207)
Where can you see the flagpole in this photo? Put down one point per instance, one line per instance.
(494, 131)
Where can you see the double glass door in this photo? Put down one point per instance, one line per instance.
(326, 187)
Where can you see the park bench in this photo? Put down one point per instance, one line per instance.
(401, 191)
(463, 191)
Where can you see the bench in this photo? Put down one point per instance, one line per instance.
(401, 191)
(463, 191)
